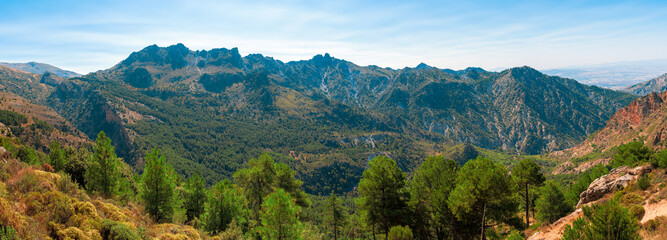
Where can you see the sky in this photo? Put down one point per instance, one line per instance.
(86, 36)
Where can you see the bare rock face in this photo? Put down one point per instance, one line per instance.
(618, 178)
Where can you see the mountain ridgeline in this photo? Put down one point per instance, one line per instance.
(656, 85)
(212, 110)
(41, 68)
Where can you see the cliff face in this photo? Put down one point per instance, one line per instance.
(645, 118)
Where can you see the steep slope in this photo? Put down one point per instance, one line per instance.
(41, 68)
(24, 84)
(620, 184)
(210, 111)
(643, 119)
(37, 125)
(658, 84)
(515, 110)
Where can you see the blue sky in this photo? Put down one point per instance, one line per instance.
(86, 36)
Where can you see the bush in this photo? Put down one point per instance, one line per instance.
(7, 233)
(400, 233)
(637, 211)
(632, 154)
(660, 159)
(515, 236)
(631, 199)
(644, 182)
(113, 230)
(603, 221)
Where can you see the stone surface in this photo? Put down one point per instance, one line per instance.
(618, 178)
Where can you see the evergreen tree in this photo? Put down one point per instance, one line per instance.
(157, 188)
(660, 158)
(195, 197)
(483, 190)
(552, 203)
(280, 217)
(225, 203)
(257, 181)
(631, 154)
(79, 160)
(429, 190)
(603, 221)
(57, 157)
(527, 174)
(262, 176)
(285, 179)
(104, 170)
(335, 215)
(383, 197)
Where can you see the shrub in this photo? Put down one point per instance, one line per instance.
(631, 199)
(400, 233)
(652, 225)
(637, 211)
(7, 233)
(632, 154)
(660, 159)
(47, 167)
(644, 182)
(515, 236)
(113, 230)
(603, 221)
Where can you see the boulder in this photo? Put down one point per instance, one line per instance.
(618, 178)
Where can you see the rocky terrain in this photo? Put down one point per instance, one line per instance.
(619, 184)
(520, 109)
(657, 85)
(212, 110)
(643, 119)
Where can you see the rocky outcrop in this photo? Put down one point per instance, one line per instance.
(644, 119)
(5, 131)
(618, 178)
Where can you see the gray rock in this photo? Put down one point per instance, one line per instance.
(618, 178)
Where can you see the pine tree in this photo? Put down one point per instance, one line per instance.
(429, 190)
(383, 196)
(257, 181)
(104, 170)
(195, 197)
(483, 190)
(57, 157)
(280, 217)
(603, 221)
(225, 203)
(157, 187)
(632, 153)
(77, 164)
(527, 174)
(285, 179)
(335, 215)
(262, 176)
(552, 203)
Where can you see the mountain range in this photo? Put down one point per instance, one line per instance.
(41, 68)
(212, 110)
(655, 85)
